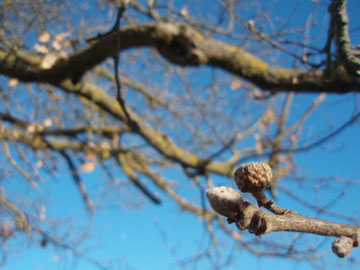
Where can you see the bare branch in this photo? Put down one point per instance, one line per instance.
(16, 166)
(57, 242)
(159, 141)
(79, 183)
(182, 45)
(339, 23)
(257, 221)
(125, 165)
(23, 222)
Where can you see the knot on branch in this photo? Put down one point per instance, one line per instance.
(181, 45)
(257, 224)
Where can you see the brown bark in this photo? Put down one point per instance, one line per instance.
(180, 44)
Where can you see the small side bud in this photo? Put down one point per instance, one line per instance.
(343, 246)
(224, 200)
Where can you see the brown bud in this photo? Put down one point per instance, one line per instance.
(224, 200)
(254, 176)
(342, 246)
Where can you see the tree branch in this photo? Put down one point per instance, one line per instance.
(128, 170)
(179, 44)
(23, 221)
(339, 22)
(228, 202)
(78, 181)
(158, 140)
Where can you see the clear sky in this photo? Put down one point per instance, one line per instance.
(147, 236)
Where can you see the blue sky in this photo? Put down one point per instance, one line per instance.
(146, 236)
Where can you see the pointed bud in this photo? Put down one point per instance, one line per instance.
(224, 200)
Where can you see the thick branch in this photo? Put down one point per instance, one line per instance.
(182, 45)
(340, 21)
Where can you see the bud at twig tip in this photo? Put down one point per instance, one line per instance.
(224, 200)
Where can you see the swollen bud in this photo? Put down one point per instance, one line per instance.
(224, 200)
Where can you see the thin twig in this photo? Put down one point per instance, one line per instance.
(16, 166)
(129, 171)
(116, 57)
(348, 123)
(78, 181)
(76, 252)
